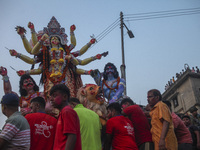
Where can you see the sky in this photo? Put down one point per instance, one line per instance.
(159, 50)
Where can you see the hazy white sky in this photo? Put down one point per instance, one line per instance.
(160, 48)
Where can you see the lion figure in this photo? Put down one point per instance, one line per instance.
(91, 96)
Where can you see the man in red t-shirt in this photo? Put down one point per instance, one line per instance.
(68, 126)
(182, 133)
(119, 130)
(140, 123)
(43, 126)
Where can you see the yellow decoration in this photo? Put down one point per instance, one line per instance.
(53, 49)
(61, 49)
(59, 74)
(52, 75)
(61, 60)
(53, 61)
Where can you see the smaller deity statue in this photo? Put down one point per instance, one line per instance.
(111, 84)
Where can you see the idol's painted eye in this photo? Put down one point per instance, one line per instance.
(91, 88)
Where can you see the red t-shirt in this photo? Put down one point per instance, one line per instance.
(182, 132)
(140, 124)
(122, 131)
(68, 122)
(43, 128)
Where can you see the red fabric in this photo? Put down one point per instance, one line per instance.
(182, 132)
(122, 131)
(68, 122)
(43, 128)
(140, 124)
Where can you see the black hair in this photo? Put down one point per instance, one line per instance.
(39, 100)
(22, 91)
(125, 100)
(115, 106)
(167, 103)
(186, 116)
(156, 93)
(74, 99)
(62, 88)
(116, 74)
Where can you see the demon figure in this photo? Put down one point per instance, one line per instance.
(111, 84)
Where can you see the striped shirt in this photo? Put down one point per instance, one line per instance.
(16, 132)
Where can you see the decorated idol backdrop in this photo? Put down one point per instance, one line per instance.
(57, 59)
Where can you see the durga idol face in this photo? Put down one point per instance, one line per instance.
(55, 40)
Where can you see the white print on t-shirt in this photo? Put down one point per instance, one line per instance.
(40, 129)
(129, 129)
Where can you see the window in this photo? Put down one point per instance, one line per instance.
(175, 101)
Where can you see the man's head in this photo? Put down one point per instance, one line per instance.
(60, 95)
(113, 110)
(186, 120)
(9, 103)
(126, 102)
(27, 83)
(153, 97)
(193, 111)
(37, 104)
(73, 102)
(110, 69)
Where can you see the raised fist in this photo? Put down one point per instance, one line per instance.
(72, 28)
(21, 72)
(92, 41)
(13, 52)
(89, 72)
(20, 30)
(98, 56)
(3, 71)
(44, 37)
(31, 25)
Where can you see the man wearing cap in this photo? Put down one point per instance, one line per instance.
(195, 117)
(16, 131)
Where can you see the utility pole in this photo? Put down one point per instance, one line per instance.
(130, 34)
(122, 67)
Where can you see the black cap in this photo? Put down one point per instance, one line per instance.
(192, 109)
(10, 99)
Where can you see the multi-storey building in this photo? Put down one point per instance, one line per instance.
(184, 92)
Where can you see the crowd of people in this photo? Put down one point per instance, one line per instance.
(77, 127)
(178, 75)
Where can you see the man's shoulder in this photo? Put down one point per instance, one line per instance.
(86, 111)
(15, 116)
(117, 118)
(39, 115)
(68, 110)
(18, 120)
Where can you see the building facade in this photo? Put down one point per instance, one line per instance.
(184, 92)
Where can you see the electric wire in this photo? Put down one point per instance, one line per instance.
(108, 28)
(157, 12)
(107, 32)
(146, 16)
(136, 18)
